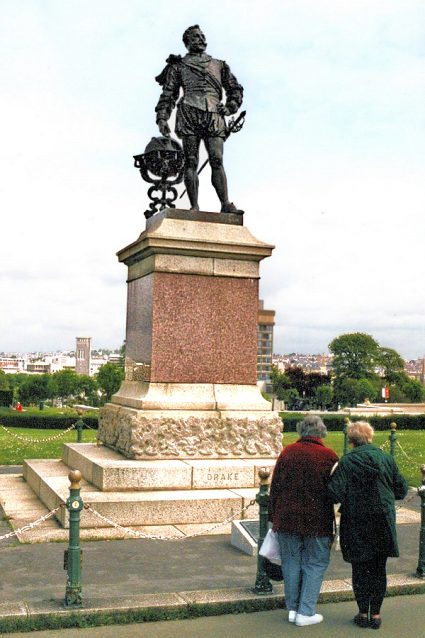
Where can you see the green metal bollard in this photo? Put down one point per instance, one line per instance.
(345, 431)
(73, 555)
(393, 438)
(262, 582)
(80, 425)
(420, 571)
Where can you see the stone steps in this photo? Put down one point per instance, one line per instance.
(110, 471)
(144, 506)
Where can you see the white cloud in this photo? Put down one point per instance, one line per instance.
(329, 166)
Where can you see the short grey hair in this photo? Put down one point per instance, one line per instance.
(360, 433)
(312, 425)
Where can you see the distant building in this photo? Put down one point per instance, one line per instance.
(264, 346)
(83, 355)
(39, 367)
(96, 363)
(12, 365)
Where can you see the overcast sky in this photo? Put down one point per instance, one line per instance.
(330, 166)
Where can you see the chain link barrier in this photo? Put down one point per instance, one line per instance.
(30, 526)
(407, 500)
(28, 439)
(409, 458)
(127, 530)
(412, 461)
(138, 534)
(89, 427)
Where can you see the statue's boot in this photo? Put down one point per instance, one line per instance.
(229, 207)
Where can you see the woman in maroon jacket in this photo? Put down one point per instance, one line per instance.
(303, 516)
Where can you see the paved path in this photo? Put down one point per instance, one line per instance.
(141, 566)
(403, 617)
(184, 578)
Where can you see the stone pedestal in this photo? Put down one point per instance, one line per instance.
(187, 431)
(191, 344)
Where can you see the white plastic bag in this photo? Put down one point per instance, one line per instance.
(270, 548)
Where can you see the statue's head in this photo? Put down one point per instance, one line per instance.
(194, 40)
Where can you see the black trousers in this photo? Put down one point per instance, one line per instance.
(370, 583)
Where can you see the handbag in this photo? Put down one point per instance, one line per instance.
(270, 551)
(273, 571)
(270, 548)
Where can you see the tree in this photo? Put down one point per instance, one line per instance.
(87, 388)
(63, 385)
(397, 395)
(366, 390)
(4, 383)
(355, 355)
(295, 377)
(324, 396)
(109, 378)
(34, 388)
(15, 381)
(392, 365)
(345, 391)
(280, 383)
(290, 397)
(413, 389)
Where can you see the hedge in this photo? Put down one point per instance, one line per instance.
(335, 422)
(45, 421)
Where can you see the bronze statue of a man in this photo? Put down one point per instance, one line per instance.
(200, 112)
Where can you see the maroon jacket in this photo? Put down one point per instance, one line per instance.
(298, 502)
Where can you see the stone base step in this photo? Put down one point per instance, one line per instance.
(110, 471)
(49, 480)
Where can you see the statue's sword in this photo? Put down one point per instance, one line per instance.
(234, 126)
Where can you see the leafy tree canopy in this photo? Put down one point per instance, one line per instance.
(34, 388)
(324, 396)
(356, 355)
(4, 383)
(109, 378)
(392, 365)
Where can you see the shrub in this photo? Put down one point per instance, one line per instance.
(44, 421)
(335, 422)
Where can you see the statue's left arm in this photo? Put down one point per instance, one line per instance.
(234, 91)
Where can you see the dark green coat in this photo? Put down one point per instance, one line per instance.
(366, 482)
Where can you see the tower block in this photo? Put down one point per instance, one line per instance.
(190, 386)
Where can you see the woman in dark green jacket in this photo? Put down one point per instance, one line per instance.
(366, 482)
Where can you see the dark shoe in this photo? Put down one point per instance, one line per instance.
(375, 623)
(228, 207)
(361, 621)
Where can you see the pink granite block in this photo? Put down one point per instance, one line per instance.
(139, 319)
(204, 329)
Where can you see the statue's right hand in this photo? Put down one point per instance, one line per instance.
(164, 129)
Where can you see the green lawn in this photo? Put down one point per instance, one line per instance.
(410, 449)
(410, 456)
(14, 450)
